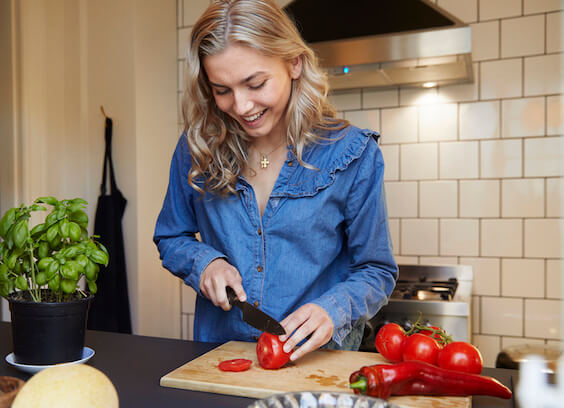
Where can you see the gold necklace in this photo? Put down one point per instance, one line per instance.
(264, 162)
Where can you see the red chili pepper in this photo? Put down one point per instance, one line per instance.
(418, 378)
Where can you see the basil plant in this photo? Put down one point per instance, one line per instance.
(49, 259)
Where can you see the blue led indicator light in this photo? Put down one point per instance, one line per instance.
(346, 70)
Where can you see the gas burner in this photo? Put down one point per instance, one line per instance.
(425, 290)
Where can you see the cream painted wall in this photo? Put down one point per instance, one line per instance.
(72, 56)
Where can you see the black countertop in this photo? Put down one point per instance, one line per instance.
(135, 365)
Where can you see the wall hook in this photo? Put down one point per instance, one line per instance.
(104, 113)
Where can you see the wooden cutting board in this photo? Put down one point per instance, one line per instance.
(322, 370)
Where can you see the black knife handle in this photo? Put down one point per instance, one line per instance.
(231, 295)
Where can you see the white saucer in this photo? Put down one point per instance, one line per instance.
(87, 354)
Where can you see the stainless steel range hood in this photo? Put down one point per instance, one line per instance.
(385, 43)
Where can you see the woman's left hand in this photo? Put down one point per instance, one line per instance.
(308, 319)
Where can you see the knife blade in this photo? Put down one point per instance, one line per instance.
(254, 316)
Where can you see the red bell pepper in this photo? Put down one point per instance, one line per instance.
(418, 378)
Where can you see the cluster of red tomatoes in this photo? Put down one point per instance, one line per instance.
(429, 344)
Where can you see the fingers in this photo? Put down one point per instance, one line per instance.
(309, 320)
(217, 275)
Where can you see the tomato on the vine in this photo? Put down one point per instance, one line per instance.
(237, 364)
(461, 356)
(390, 341)
(419, 347)
(432, 331)
(270, 352)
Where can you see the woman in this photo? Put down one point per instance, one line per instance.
(288, 200)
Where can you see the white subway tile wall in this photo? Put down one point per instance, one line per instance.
(475, 172)
(523, 117)
(489, 346)
(479, 120)
(479, 198)
(522, 278)
(459, 237)
(501, 78)
(555, 115)
(418, 161)
(487, 276)
(502, 316)
(466, 10)
(485, 40)
(554, 40)
(438, 199)
(494, 9)
(522, 198)
(522, 36)
(402, 199)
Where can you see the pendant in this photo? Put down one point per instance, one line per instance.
(264, 162)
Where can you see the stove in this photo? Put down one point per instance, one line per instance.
(440, 294)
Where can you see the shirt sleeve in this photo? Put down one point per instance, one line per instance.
(175, 231)
(373, 270)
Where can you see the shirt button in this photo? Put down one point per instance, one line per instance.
(256, 303)
(259, 231)
(259, 268)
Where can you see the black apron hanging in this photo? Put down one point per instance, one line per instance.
(110, 308)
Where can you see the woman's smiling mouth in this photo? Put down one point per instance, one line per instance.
(253, 118)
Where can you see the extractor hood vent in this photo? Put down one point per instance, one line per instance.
(385, 43)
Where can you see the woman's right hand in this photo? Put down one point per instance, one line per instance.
(217, 275)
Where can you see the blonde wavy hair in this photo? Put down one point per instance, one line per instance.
(218, 145)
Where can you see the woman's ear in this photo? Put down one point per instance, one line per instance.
(296, 67)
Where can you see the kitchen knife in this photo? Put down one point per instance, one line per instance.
(254, 316)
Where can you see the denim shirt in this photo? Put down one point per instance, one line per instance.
(323, 238)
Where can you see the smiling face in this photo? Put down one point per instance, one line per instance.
(252, 88)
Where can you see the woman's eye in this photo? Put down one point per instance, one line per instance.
(257, 86)
(221, 92)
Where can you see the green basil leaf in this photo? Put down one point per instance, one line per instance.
(55, 283)
(80, 217)
(70, 252)
(20, 233)
(82, 260)
(21, 283)
(69, 272)
(74, 231)
(91, 271)
(64, 228)
(51, 219)
(43, 249)
(52, 232)
(4, 273)
(37, 229)
(41, 278)
(12, 260)
(47, 200)
(99, 257)
(44, 263)
(68, 285)
(92, 287)
(79, 200)
(53, 268)
(5, 289)
(7, 221)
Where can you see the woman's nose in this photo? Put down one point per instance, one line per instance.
(241, 104)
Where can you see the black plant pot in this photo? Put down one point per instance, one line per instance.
(48, 332)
